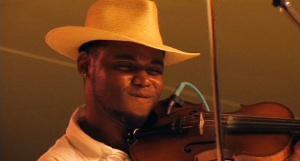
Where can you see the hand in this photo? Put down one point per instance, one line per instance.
(296, 152)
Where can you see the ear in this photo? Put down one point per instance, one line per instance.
(83, 63)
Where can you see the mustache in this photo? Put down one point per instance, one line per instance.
(143, 93)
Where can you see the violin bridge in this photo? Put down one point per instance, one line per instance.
(201, 124)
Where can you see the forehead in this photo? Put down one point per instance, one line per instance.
(132, 51)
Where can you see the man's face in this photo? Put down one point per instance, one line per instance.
(127, 81)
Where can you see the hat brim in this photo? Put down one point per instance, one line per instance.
(67, 40)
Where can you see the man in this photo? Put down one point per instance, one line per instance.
(121, 57)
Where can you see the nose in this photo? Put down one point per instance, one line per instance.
(141, 79)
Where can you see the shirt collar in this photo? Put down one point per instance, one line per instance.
(88, 146)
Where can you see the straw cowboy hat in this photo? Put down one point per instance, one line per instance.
(121, 20)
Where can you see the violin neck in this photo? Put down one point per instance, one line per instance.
(260, 124)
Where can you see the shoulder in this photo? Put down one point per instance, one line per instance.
(62, 151)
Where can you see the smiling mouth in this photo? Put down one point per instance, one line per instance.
(140, 95)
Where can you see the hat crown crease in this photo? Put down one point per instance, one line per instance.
(121, 17)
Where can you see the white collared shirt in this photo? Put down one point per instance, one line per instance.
(76, 145)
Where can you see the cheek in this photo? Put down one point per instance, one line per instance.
(109, 83)
(158, 84)
(116, 83)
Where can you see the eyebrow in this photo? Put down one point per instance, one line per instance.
(131, 58)
(158, 62)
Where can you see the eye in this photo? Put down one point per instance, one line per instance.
(155, 71)
(124, 66)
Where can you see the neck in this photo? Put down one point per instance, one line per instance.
(113, 136)
(99, 125)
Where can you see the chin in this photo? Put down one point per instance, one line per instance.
(130, 119)
(135, 121)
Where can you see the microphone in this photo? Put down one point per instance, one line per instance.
(277, 3)
(287, 6)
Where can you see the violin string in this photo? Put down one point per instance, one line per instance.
(259, 119)
(241, 122)
(251, 127)
(244, 118)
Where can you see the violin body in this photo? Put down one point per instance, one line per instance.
(188, 134)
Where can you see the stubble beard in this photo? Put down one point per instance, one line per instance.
(129, 119)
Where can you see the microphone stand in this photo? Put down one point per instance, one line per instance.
(287, 6)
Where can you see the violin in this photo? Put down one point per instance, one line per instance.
(264, 131)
